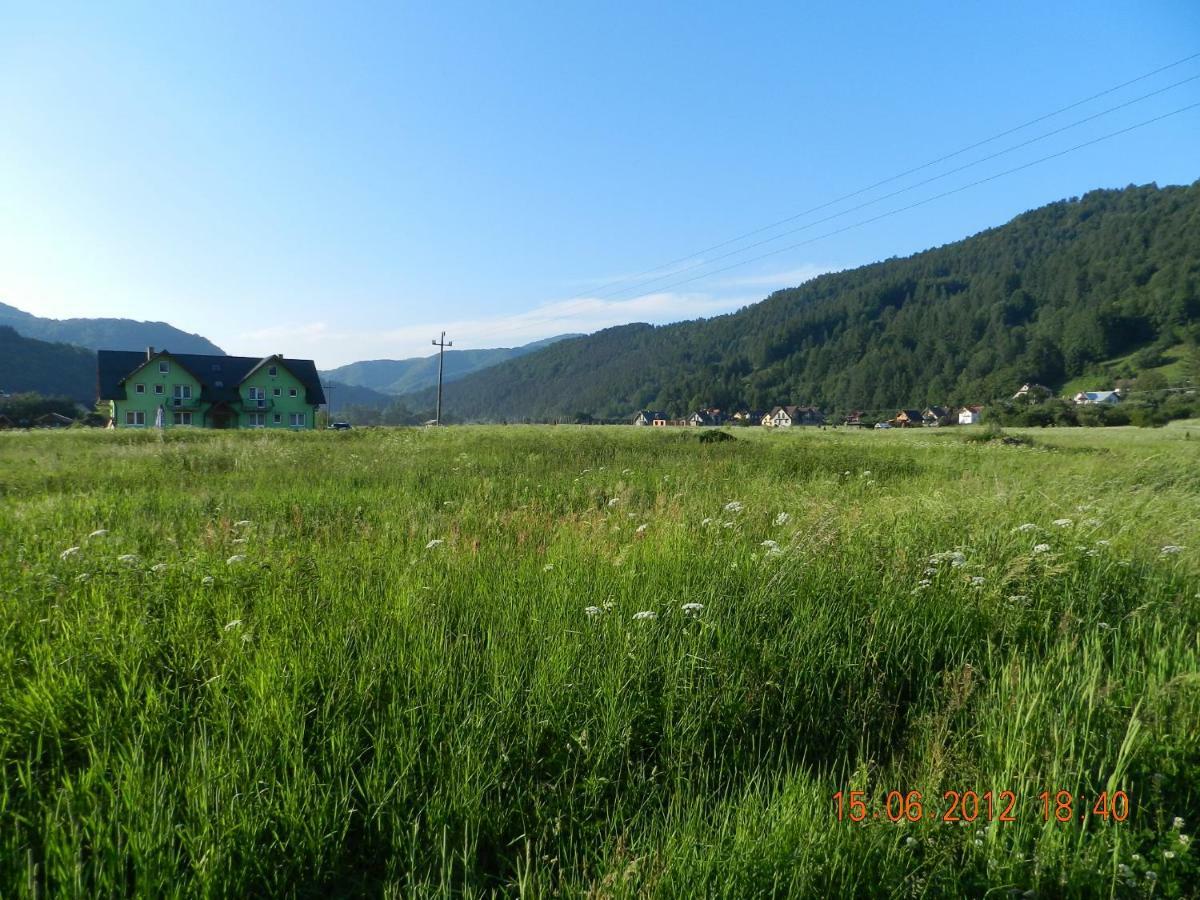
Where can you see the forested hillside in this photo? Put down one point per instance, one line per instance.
(106, 334)
(51, 369)
(399, 376)
(1045, 297)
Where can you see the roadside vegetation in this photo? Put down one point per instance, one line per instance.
(598, 662)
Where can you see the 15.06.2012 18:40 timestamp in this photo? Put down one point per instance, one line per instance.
(986, 806)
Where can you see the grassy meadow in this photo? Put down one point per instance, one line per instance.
(596, 662)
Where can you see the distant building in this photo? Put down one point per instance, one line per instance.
(853, 420)
(1033, 392)
(1091, 398)
(206, 391)
(793, 416)
(970, 415)
(706, 417)
(908, 418)
(650, 417)
(933, 416)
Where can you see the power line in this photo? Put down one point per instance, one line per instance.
(949, 193)
(903, 190)
(890, 179)
(884, 215)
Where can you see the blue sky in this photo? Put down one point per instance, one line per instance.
(342, 182)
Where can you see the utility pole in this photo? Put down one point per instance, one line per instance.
(441, 345)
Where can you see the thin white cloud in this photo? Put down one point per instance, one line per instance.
(785, 279)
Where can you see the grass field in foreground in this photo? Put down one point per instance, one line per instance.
(463, 662)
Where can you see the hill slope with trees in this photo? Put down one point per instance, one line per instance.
(1047, 297)
(52, 369)
(400, 376)
(106, 334)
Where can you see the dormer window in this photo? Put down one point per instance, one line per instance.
(273, 371)
(164, 367)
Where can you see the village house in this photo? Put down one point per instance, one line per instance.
(1091, 398)
(651, 417)
(908, 418)
(853, 420)
(706, 417)
(933, 416)
(970, 415)
(1033, 392)
(793, 416)
(206, 391)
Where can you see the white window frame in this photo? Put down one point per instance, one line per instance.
(164, 367)
(135, 417)
(291, 392)
(257, 420)
(273, 371)
(139, 389)
(275, 392)
(182, 418)
(160, 389)
(277, 418)
(296, 420)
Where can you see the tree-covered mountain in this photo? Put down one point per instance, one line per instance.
(401, 376)
(1044, 298)
(51, 369)
(106, 334)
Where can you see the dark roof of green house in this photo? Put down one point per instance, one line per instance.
(114, 366)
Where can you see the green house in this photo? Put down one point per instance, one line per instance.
(191, 389)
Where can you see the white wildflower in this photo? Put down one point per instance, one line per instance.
(592, 611)
(1028, 526)
(1169, 549)
(1184, 839)
(910, 841)
(726, 524)
(614, 501)
(1124, 871)
(1102, 543)
(641, 528)
(83, 576)
(207, 580)
(1168, 854)
(645, 615)
(235, 559)
(69, 552)
(782, 519)
(770, 545)
(1091, 523)
(924, 582)
(1062, 523)
(1177, 823)
(240, 541)
(977, 581)
(158, 567)
(734, 506)
(1019, 598)
(866, 473)
(436, 542)
(548, 567)
(626, 471)
(978, 842)
(930, 571)
(692, 609)
(98, 533)
(1041, 548)
(1103, 626)
(705, 521)
(242, 523)
(234, 624)
(957, 559)
(129, 559)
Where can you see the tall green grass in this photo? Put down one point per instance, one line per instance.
(363, 663)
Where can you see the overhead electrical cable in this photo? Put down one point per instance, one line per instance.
(896, 193)
(899, 175)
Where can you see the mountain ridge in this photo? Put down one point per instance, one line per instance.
(106, 333)
(401, 376)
